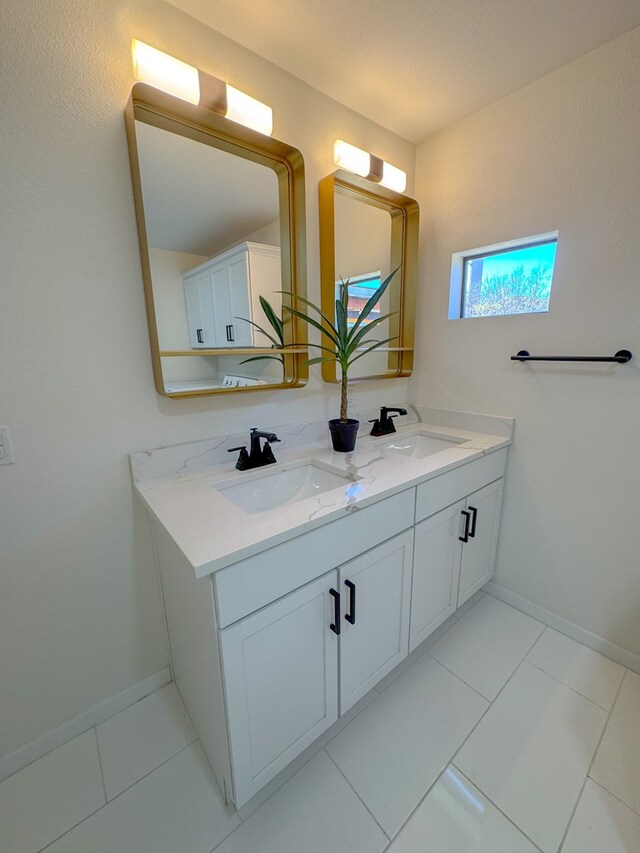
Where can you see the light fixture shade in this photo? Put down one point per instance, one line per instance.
(347, 156)
(393, 178)
(165, 72)
(248, 111)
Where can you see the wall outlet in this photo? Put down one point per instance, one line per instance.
(6, 449)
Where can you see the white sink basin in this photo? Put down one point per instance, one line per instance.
(279, 485)
(418, 444)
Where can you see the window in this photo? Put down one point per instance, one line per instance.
(507, 278)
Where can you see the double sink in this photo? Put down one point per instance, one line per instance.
(287, 483)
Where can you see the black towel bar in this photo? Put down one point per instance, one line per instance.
(621, 357)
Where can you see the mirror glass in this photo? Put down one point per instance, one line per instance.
(366, 232)
(218, 243)
(363, 255)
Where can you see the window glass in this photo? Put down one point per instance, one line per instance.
(508, 281)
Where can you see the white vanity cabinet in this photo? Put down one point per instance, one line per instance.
(481, 532)
(455, 546)
(436, 572)
(227, 287)
(280, 668)
(375, 599)
(268, 652)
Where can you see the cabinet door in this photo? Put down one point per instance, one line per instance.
(376, 593)
(479, 553)
(242, 333)
(219, 287)
(199, 311)
(436, 570)
(280, 670)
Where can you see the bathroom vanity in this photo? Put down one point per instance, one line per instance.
(291, 590)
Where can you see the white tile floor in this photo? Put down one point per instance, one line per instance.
(498, 736)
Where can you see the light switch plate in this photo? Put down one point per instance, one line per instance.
(6, 449)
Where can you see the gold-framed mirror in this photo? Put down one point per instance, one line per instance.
(221, 225)
(366, 232)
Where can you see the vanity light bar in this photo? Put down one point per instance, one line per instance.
(184, 81)
(347, 156)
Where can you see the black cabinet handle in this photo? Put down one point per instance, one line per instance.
(351, 615)
(465, 535)
(200, 335)
(229, 329)
(335, 625)
(474, 519)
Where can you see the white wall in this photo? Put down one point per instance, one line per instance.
(80, 612)
(167, 268)
(562, 153)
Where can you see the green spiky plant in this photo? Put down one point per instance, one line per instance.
(276, 335)
(344, 344)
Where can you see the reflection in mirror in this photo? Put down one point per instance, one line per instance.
(363, 256)
(218, 252)
(366, 232)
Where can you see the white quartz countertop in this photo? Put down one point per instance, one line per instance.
(212, 532)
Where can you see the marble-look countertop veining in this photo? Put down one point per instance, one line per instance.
(212, 532)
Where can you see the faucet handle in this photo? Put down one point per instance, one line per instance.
(243, 459)
(267, 454)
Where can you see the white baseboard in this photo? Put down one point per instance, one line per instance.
(14, 761)
(564, 626)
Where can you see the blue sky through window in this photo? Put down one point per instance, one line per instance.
(516, 281)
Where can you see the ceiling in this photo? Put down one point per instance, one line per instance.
(198, 199)
(415, 66)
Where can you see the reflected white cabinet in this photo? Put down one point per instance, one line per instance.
(227, 287)
(281, 680)
(375, 591)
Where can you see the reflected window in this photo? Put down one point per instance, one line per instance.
(361, 288)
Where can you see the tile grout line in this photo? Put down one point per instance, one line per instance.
(310, 758)
(359, 797)
(593, 758)
(75, 826)
(302, 766)
(87, 729)
(104, 784)
(577, 692)
(425, 651)
(497, 808)
(622, 802)
(482, 716)
(466, 684)
(491, 702)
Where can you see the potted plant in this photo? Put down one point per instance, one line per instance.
(345, 340)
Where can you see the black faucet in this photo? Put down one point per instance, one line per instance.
(384, 424)
(258, 455)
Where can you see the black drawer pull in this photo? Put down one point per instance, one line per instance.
(200, 335)
(351, 615)
(465, 535)
(474, 519)
(335, 625)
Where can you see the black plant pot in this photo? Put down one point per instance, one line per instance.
(343, 435)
